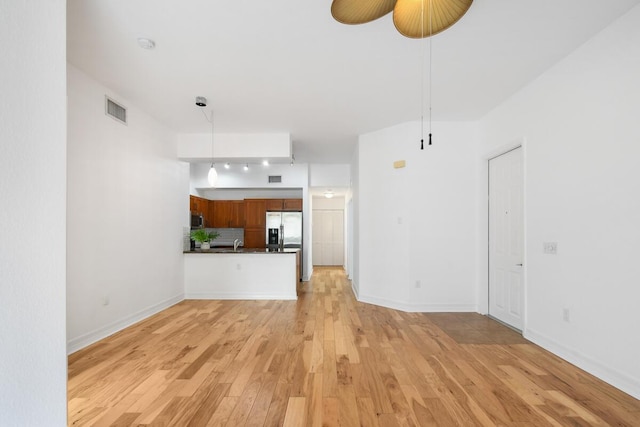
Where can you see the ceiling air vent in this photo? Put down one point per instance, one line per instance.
(115, 110)
(273, 179)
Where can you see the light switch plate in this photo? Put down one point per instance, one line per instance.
(550, 248)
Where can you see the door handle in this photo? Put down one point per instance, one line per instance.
(519, 265)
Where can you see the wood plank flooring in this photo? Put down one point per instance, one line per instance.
(327, 360)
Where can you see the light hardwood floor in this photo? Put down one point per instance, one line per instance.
(327, 360)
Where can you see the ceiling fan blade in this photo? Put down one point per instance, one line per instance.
(407, 16)
(360, 11)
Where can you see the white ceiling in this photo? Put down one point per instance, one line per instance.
(288, 66)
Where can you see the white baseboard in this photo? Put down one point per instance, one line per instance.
(607, 374)
(355, 289)
(240, 296)
(417, 308)
(89, 338)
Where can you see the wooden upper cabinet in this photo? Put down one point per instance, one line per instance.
(209, 215)
(255, 211)
(292, 205)
(228, 214)
(274, 204)
(221, 213)
(201, 206)
(237, 214)
(204, 207)
(198, 204)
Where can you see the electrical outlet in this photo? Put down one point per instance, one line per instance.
(238, 267)
(566, 315)
(418, 283)
(550, 248)
(105, 300)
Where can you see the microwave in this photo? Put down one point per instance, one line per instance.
(197, 220)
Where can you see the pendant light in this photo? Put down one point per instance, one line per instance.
(446, 13)
(212, 176)
(430, 71)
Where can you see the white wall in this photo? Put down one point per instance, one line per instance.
(417, 223)
(354, 232)
(580, 123)
(127, 195)
(240, 276)
(230, 146)
(322, 203)
(33, 364)
(329, 175)
(296, 176)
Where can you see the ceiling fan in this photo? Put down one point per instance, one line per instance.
(412, 18)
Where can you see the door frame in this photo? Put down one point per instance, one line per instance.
(504, 149)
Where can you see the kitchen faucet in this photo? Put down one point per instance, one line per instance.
(236, 243)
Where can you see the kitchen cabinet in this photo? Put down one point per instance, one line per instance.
(228, 213)
(274, 204)
(198, 204)
(255, 211)
(237, 214)
(203, 206)
(209, 216)
(284, 205)
(254, 238)
(222, 212)
(292, 205)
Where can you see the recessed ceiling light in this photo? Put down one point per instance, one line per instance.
(328, 194)
(227, 165)
(246, 167)
(146, 43)
(265, 163)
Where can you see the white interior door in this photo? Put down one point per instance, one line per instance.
(506, 238)
(328, 237)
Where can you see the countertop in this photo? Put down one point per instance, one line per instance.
(243, 251)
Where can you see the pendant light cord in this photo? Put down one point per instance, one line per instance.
(422, 71)
(430, 61)
(422, 78)
(210, 120)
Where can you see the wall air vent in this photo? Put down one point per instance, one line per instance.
(115, 110)
(274, 179)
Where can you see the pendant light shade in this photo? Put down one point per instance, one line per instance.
(212, 177)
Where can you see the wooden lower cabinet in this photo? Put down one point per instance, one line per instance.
(255, 238)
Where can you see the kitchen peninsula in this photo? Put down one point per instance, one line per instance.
(243, 274)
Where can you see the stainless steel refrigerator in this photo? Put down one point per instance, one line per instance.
(289, 231)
